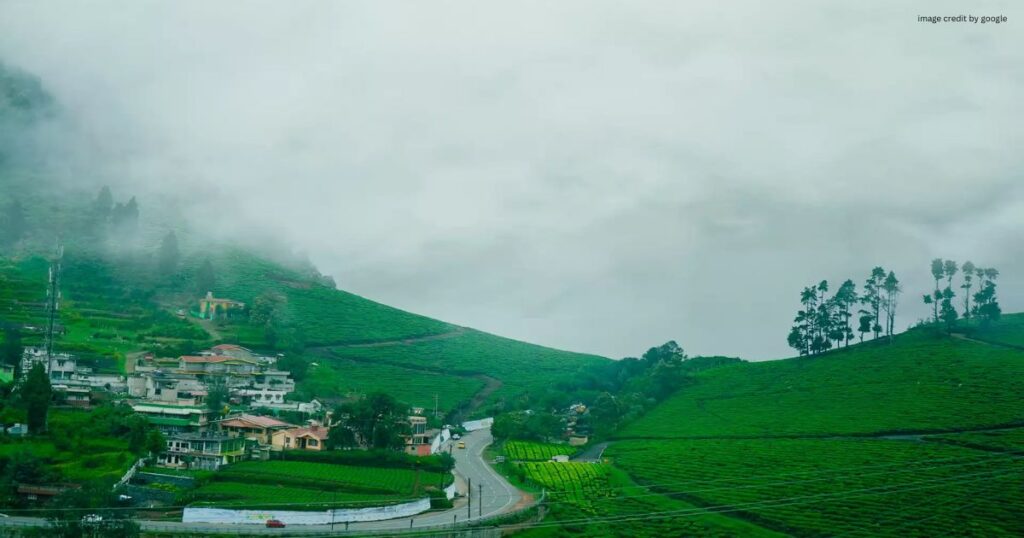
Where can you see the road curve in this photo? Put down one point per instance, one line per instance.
(492, 495)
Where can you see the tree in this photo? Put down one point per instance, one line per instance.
(968, 272)
(205, 277)
(341, 436)
(216, 396)
(986, 307)
(12, 224)
(156, 443)
(667, 352)
(169, 255)
(938, 271)
(103, 204)
(947, 313)
(949, 268)
(36, 394)
(872, 298)
(264, 307)
(845, 298)
(866, 321)
(892, 289)
(801, 335)
(12, 351)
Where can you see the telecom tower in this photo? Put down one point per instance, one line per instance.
(52, 305)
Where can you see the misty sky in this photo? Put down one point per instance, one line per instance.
(597, 176)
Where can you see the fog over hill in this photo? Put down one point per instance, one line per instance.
(589, 175)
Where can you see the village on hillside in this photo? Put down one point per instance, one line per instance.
(216, 407)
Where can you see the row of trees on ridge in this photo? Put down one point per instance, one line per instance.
(824, 321)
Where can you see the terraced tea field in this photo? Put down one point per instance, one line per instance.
(922, 382)
(838, 487)
(327, 316)
(415, 387)
(532, 451)
(521, 367)
(1001, 440)
(591, 499)
(255, 483)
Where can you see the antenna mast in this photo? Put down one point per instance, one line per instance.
(52, 304)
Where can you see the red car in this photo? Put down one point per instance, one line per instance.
(275, 523)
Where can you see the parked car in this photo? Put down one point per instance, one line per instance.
(275, 524)
(462, 444)
(456, 437)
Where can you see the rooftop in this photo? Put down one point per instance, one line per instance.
(246, 420)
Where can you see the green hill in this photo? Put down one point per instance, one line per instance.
(920, 437)
(923, 381)
(339, 344)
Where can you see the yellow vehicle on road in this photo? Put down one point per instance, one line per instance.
(462, 444)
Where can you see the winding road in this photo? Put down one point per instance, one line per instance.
(492, 495)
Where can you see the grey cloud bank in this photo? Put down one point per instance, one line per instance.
(587, 175)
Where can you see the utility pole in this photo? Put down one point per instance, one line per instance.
(469, 497)
(435, 405)
(52, 304)
(480, 501)
(334, 505)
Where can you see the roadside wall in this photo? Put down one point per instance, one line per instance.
(291, 517)
(450, 491)
(435, 445)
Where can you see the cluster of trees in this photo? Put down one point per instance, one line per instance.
(825, 321)
(616, 392)
(985, 307)
(116, 221)
(377, 421)
(269, 310)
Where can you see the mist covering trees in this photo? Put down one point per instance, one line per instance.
(13, 224)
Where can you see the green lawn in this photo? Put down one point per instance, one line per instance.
(923, 381)
(812, 487)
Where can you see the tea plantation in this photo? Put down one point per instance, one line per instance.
(308, 485)
(923, 381)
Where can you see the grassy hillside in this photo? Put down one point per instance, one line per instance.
(924, 380)
(114, 305)
(838, 445)
(817, 487)
(522, 369)
(322, 314)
